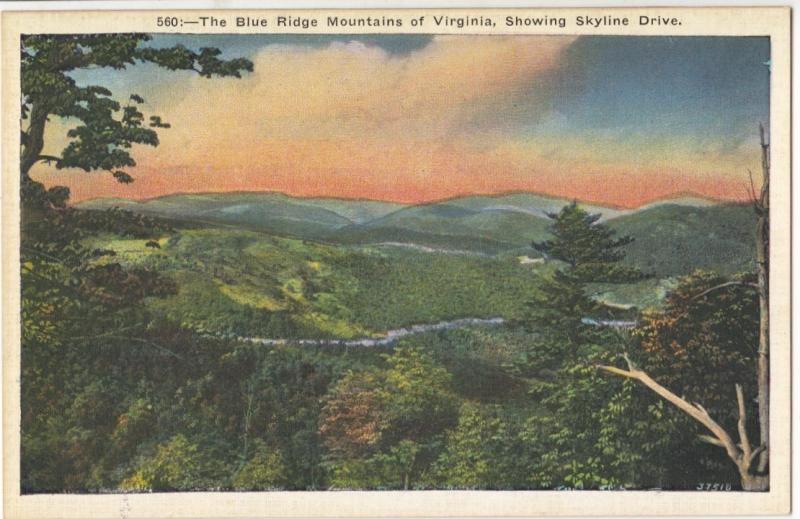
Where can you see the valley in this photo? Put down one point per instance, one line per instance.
(270, 265)
(243, 335)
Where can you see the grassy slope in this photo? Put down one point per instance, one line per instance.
(255, 284)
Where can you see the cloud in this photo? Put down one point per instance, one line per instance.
(349, 90)
(351, 119)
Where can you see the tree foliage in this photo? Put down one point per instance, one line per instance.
(587, 246)
(561, 304)
(177, 464)
(388, 422)
(106, 128)
(701, 340)
(485, 450)
(116, 394)
(583, 429)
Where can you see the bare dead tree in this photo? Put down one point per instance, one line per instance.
(754, 476)
(761, 206)
(741, 453)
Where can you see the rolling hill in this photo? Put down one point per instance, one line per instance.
(273, 212)
(673, 239)
(487, 230)
(526, 203)
(672, 236)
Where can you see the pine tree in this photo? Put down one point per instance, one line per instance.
(588, 247)
(564, 318)
(561, 310)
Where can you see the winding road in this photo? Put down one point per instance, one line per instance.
(387, 338)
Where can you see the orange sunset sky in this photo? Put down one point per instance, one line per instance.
(618, 121)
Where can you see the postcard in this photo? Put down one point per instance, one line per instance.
(399, 262)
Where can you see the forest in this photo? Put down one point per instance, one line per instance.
(606, 368)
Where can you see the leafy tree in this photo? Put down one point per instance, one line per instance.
(263, 471)
(752, 463)
(698, 342)
(695, 345)
(106, 129)
(600, 433)
(479, 452)
(398, 464)
(177, 464)
(350, 421)
(389, 422)
(272, 398)
(417, 400)
(79, 307)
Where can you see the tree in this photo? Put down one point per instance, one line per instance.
(86, 334)
(587, 246)
(564, 320)
(263, 471)
(700, 340)
(176, 464)
(761, 207)
(83, 317)
(350, 419)
(417, 396)
(106, 129)
(589, 254)
(383, 428)
(484, 450)
(751, 463)
(696, 344)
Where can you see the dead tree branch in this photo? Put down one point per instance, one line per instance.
(741, 454)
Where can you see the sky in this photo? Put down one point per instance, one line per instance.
(614, 120)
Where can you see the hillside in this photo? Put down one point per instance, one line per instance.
(273, 212)
(529, 203)
(672, 237)
(253, 284)
(489, 230)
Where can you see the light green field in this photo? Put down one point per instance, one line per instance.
(250, 283)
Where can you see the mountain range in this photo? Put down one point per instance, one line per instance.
(671, 236)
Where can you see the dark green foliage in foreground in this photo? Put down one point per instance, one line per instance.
(594, 431)
(699, 345)
(384, 428)
(124, 388)
(559, 362)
